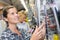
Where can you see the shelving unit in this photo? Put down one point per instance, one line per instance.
(52, 16)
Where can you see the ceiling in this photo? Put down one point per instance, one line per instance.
(15, 3)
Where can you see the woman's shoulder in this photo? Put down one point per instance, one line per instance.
(6, 33)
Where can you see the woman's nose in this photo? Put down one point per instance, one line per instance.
(16, 15)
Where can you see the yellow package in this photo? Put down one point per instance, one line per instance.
(55, 37)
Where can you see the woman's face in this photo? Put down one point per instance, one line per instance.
(12, 16)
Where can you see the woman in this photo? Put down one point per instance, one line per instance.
(22, 21)
(12, 33)
(23, 25)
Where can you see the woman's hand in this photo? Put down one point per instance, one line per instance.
(39, 33)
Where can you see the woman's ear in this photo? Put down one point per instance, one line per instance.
(5, 19)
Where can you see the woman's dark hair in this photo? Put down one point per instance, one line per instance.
(5, 12)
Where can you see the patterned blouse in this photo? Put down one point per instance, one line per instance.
(9, 35)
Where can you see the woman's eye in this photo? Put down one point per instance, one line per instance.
(12, 13)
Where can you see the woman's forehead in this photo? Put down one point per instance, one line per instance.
(12, 10)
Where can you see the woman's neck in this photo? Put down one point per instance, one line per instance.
(13, 28)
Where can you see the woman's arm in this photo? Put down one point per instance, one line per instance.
(39, 33)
